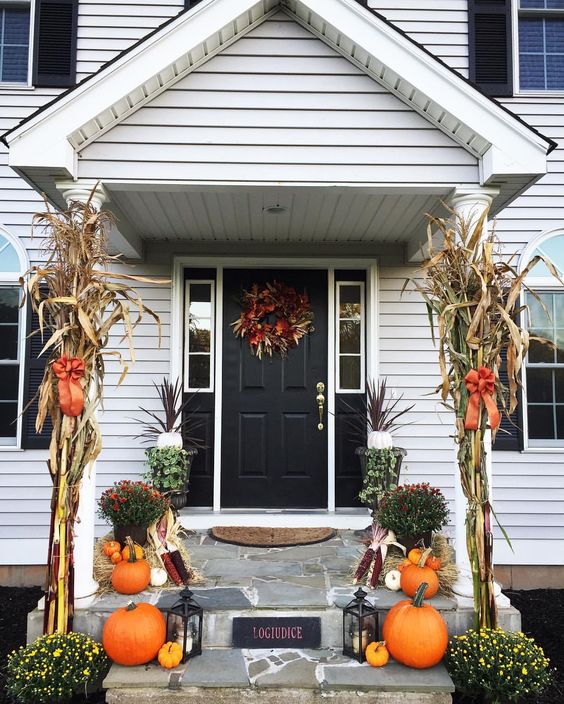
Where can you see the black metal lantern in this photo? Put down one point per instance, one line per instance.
(360, 626)
(184, 624)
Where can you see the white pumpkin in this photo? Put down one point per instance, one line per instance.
(169, 440)
(392, 580)
(379, 440)
(158, 577)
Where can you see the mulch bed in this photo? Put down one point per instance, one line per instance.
(542, 611)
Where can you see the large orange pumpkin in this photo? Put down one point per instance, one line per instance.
(131, 576)
(415, 632)
(133, 635)
(413, 576)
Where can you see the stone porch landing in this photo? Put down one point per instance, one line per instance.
(309, 580)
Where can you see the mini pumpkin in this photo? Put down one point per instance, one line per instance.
(158, 577)
(138, 552)
(133, 575)
(377, 654)
(403, 564)
(133, 635)
(170, 655)
(116, 557)
(110, 547)
(433, 562)
(413, 576)
(414, 555)
(393, 580)
(415, 633)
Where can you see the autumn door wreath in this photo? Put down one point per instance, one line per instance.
(274, 318)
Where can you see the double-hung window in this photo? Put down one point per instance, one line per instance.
(14, 42)
(541, 45)
(545, 362)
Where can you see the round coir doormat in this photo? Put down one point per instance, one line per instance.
(270, 537)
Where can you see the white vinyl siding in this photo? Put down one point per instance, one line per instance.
(275, 100)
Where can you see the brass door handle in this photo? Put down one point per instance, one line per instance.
(320, 398)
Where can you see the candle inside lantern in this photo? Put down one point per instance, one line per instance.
(355, 640)
(179, 637)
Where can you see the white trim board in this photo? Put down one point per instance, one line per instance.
(219, 263)
(345, 520)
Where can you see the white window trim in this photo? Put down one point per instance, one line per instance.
(24, 85)
(517, 92)
(339, 284)
(9, 278)
(187, 387)
(541, 285)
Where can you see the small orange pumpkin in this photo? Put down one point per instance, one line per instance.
(414, 555)
(138, 552)
(377, 654)
(433, 562)
(116, 557)
(133, 635)
(405, 563)
(133, 575)
(110, 547)
(170, 655)
(415, 633)
(413, 576)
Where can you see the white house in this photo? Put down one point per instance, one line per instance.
(303, 141)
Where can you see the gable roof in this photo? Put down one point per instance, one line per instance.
(51, 137)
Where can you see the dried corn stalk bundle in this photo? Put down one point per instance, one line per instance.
(472, 295)
(78, 303)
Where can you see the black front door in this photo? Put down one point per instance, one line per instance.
(273, 454)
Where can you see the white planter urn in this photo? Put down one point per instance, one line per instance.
(379, 440)
(169, 440)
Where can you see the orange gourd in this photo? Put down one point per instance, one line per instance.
(133, 635)
(131, 576)
(110, 547)
(414, 555)
(170, 655)
(415, 633)
(413, 576)
(138, 552)
(404, 564)
(433, 562)
(377, 654)
(116, 557)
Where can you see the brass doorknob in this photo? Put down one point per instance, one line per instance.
(320, 398)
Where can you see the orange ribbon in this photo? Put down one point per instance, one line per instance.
(71, 395)
(481, 385)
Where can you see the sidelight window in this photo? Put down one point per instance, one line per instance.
(199, 329)
(350, 336)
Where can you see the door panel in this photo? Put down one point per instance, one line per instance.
(273, 455)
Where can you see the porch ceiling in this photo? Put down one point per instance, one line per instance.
(311, 215)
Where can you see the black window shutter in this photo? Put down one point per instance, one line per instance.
(490, 46)
(54, 46)
(34, 368)
(510, 433)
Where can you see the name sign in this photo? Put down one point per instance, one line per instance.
(283, 632)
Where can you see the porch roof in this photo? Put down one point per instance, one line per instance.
(45, 147)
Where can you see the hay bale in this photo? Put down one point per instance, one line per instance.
(103, 567)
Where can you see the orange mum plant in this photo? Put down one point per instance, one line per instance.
(78, 302)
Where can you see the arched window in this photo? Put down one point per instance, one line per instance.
(544, 369)
(12, 338)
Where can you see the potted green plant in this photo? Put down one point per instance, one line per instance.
(169, 471)
(131, 507)
(413, 512)
(171, 431)
(380, 461)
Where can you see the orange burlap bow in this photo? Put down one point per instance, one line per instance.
(71, 395)
(481, 384)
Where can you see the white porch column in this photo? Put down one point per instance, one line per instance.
(470, 204)
(85, 586)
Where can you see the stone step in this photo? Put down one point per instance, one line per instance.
(228, 675)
